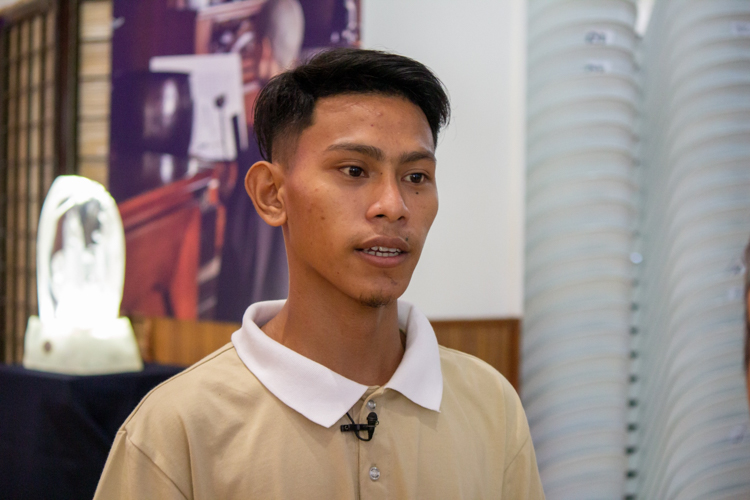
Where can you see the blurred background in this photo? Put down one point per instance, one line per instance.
(594, 188)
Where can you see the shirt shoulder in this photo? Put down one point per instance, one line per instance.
(178, 418)
(218, 372)
(193, 406)
(470, 372)
(484, 394)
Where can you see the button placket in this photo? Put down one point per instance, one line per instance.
(375, 484)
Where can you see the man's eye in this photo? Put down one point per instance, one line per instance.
(416, 178)
(354, 171)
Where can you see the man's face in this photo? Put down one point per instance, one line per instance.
(360, 197)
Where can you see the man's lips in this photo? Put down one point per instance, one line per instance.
(382, 251)
(382, 246)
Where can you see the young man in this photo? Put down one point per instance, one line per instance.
(340, 391)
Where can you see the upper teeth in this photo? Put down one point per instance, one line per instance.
(383, 251)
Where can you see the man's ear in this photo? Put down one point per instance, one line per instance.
(264, 183)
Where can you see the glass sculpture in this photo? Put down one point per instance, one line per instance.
(80, 277)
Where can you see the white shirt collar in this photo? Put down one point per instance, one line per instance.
(322, 395)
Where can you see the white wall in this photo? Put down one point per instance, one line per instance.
(472, 265)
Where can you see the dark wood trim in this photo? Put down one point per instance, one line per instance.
(27, 235)
(66, 95)
(5, 339)
(44, 82)
(475, 323)
(10, 283)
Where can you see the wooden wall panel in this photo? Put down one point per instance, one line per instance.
(183, 342)
(94, 89)
(180, 342)
(495, 341)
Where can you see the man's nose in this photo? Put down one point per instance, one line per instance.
(388, 201)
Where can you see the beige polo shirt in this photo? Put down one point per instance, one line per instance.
(256, 420)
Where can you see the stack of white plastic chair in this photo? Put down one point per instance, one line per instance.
(582, 107)
(693, 439)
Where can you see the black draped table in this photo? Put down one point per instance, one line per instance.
(56, 430)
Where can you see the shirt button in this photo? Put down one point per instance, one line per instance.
(374, 473)
(371, 404)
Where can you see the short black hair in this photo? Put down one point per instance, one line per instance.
(285, 106)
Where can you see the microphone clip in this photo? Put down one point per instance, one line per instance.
(372, 421)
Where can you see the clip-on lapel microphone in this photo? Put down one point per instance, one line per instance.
(372, 421)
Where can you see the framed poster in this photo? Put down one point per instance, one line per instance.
(185, 76)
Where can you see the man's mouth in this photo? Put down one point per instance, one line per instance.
(382, 251)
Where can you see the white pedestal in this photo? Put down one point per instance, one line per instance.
(108, 347)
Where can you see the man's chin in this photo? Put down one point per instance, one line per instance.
(377, 300)
(381, 293)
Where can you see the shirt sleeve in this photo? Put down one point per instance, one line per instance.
(522, 479)
(521, 475)
(131, 474)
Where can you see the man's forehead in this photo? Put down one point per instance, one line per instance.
(336, 115)
(370, 104)
(365, 119)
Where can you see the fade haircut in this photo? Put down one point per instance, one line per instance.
(285, 106)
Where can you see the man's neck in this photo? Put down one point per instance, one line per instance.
(357, 341)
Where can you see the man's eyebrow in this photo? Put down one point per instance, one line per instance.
(417, 156)
(377, 153)
(371, 151)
